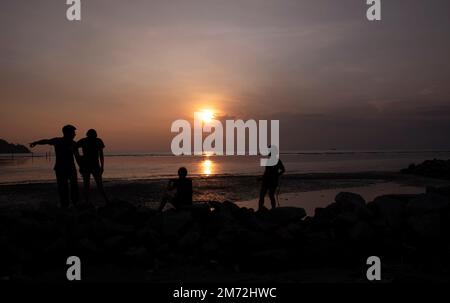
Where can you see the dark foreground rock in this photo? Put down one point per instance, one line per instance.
(221, 238)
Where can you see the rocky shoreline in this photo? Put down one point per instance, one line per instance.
(430, 168)
(410, 233)
(11, 148)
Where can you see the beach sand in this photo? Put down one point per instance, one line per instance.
(300, 190)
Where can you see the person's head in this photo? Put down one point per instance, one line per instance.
(91, 134)
(182, 172)
(69, 131)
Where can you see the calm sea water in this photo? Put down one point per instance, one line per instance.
(40, 168)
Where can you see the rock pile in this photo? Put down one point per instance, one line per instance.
(222, 236)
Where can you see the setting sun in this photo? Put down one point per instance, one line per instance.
(206, 115)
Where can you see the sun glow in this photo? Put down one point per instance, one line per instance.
(207, 115)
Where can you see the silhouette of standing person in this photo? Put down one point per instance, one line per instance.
(270, 181)
(183, 191)
(65, 170)
(92, 162)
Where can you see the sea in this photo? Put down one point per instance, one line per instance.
(27, 168)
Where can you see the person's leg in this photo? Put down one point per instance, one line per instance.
(262, 194)
(99, 181)
(166, 197)
(63, 188)
(73, 178)
(272, 190)
(86, 185)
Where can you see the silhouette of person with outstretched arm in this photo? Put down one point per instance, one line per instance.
(92, 162)
(182, 188)
(270, 182)
(65, 170)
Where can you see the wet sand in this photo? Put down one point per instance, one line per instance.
(309, 200)
(301, 190)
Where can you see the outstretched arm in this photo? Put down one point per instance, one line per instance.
(41, 142)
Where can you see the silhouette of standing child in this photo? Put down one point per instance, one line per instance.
(65, 170)
(270, 181)
(92, 162)
(181, 189)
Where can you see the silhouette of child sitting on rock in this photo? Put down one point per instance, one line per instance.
(179, 191)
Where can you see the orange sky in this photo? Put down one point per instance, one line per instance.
(130, 70)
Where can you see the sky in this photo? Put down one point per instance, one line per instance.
(130, 68)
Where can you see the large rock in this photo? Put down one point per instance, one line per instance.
(115, 243)
(428, 203)
(426, 226)
(175, 222)
(139, 256)
(291, 233)
(343, 223)
(268, 260)
(200, 211)
(349, 202)
(286, 215)
(323, 217)
(210, 247)
(111, 227)
(189, 240)
(361, 231)
(88, 246)
(148, 237)
(390, 210)
(119, 211)
(254, 239)
(58, 247)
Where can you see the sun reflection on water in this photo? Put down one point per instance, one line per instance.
(207, 167)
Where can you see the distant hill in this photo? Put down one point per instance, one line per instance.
(9, 148)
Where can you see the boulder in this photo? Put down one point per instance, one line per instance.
(389, 209)
(200, 211)
(148, 237)
(111, 227)
(115, 243)
(175, 222)
(210, 247)
(428, 203)
(290, 233)
(268, 260)
(346, 219)
(286, 215)
(323, 218)
(58, 247)
(119, 211)
(361, 231)
(349, 202)
(426, 226)
(88, 246)
(189, 240)
(254, 239)
(139, 256)
(228, 205)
